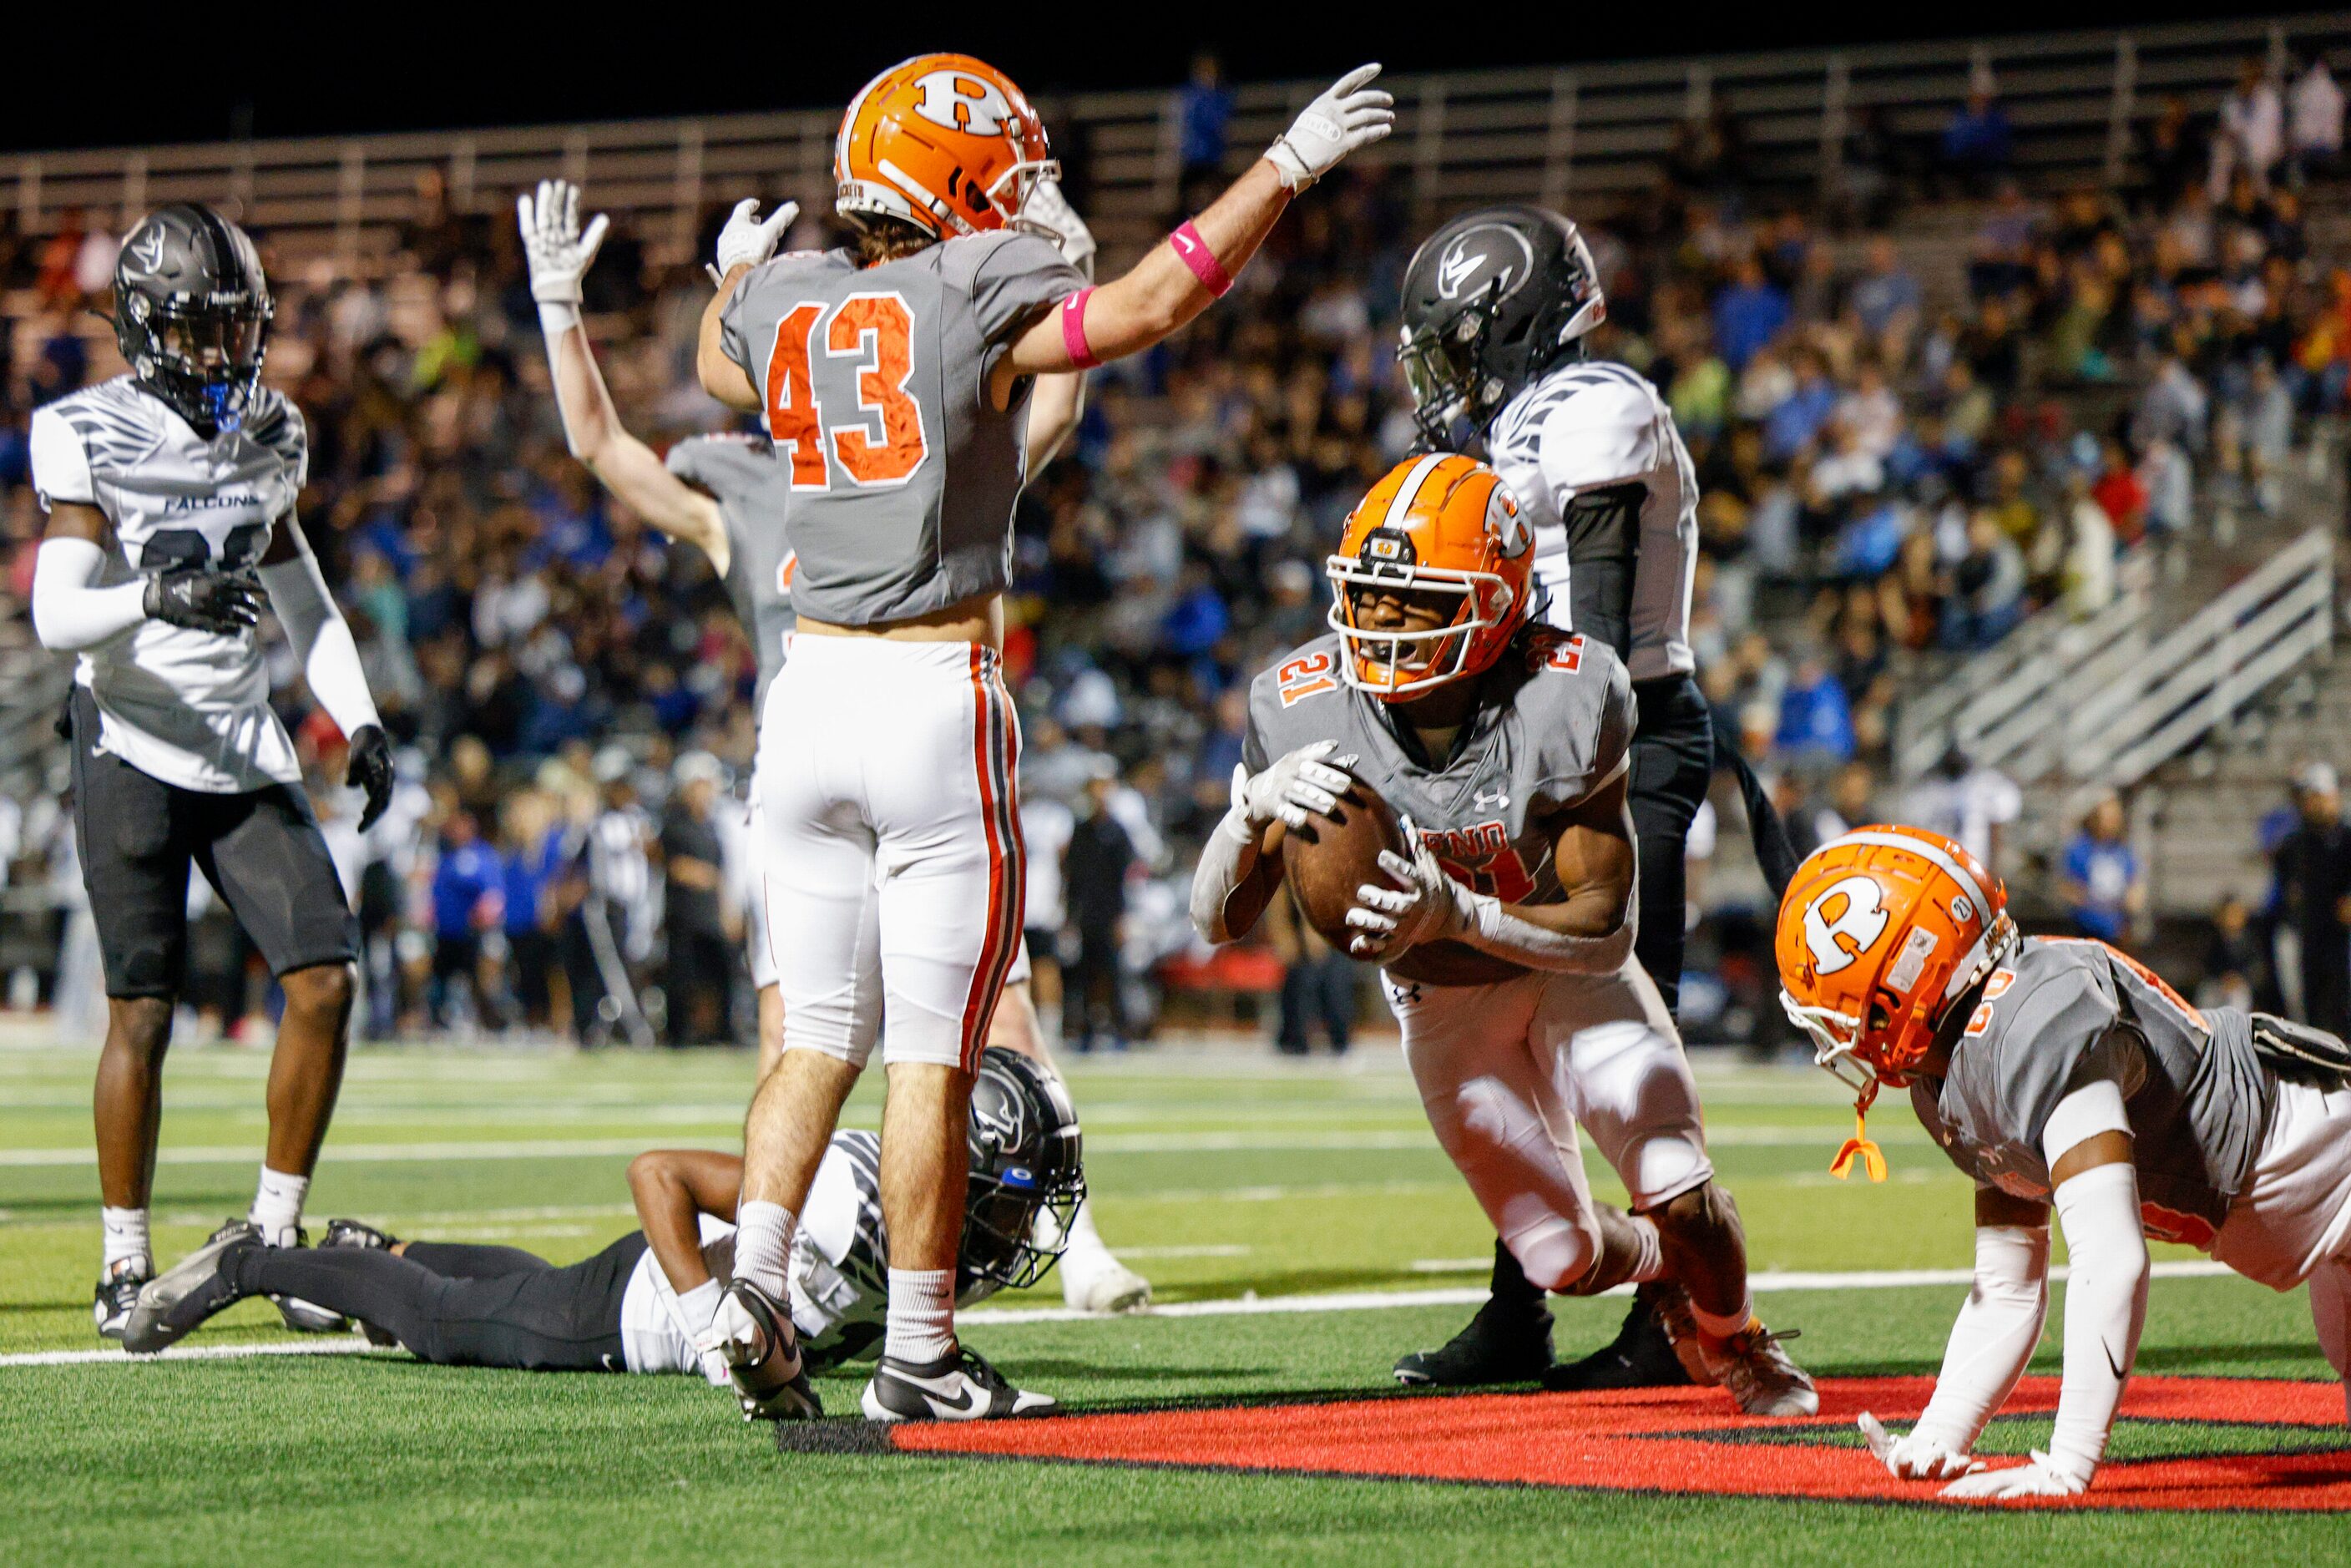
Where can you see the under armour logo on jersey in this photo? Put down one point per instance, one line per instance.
(1495, 799)
(1489, 256)
(1850, 910)
(961, 102)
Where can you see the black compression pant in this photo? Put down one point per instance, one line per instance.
(1673, 763)
(465, 1306)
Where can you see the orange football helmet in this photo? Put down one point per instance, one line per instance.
(945, 143)
(1435, 524)
(1880, 932)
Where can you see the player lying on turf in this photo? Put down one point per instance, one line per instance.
(725, 495)
(2061, 1071)
(646, 1303)
(1507, 933)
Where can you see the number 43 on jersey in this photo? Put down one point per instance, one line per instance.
(883, 441)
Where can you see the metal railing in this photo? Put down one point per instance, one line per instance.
(2100, 704)
(1592, 135)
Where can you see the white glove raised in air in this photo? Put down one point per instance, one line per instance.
(2040, 1476)
(746, 241)
(1425, 905)
(1915, 1456)
(1351, 114)
(1305, 781)
(1049, 212)
(559, 253)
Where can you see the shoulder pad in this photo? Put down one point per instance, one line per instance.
(1602, 430)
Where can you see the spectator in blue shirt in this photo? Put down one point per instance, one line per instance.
(2102, 881)
(1815, 719)
(1747, 315)
(468, 899)
(533, 858)
(1205, 111)
(1978, 142)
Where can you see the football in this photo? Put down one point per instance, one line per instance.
(1325, 861)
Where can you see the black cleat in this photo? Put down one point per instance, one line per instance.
(351, 1233)
(201, 1284)
(1642, 1355)
(1504, 1343)
(118, 1294)
(771, 1381)
(958, 1386)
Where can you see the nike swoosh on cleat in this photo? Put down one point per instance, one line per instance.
(965, 1405)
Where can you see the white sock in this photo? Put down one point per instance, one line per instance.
(699, 1306)
(1722, 1327)
(125, 1231)
(763, 1246)
(1086, 1246)
(922, 1314)
(278, 1206)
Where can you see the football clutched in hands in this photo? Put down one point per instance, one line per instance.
(1327, 860)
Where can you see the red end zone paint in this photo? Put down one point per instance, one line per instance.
(1673, 1440)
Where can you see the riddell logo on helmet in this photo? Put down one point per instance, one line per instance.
(1849, 911)
(961, 102)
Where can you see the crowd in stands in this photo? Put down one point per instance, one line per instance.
(1894, 461)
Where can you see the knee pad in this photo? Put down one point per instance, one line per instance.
(1558, 1254)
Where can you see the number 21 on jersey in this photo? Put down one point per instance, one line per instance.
(876, 332)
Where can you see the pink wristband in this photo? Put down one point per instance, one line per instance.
(1193, 251)
(1074, 330)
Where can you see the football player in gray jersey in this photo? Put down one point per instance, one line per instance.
(170, 495)
(1498, 307)
(1506, 933)
(725, 495)
(2061, 1073)
(644, 1303)
(894, 376)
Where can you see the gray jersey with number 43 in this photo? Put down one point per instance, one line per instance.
(1552, 723)
(900, 478)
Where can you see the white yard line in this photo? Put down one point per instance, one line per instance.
(1235, 1141)
(1245, 1306)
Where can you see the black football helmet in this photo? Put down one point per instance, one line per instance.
(1026, 1160)
(1491, 301)
(191, 313)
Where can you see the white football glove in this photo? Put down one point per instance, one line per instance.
(1915, 1456)
(1349, 115)
(1425, 904)
(2039, 1477)
(1306, 781)
(734, 1337)
(1049, 211)
(746, 241)
(559, 253)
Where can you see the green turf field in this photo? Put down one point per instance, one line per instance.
(1218, 1176)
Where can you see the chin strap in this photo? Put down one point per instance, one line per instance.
(1859, 1144)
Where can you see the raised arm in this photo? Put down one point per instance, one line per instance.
(1589, 930)
(559, 254)
(1178, 280)
(743, 244)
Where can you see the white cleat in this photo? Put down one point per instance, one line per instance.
(1101, 1283)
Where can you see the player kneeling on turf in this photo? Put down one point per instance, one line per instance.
(646, 1303)
(2061, 1072)
(1506, 929)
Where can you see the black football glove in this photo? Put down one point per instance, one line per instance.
(205, 600)
(369, 769)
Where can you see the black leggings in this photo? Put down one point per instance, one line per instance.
(465, 1306)
(1673, 763)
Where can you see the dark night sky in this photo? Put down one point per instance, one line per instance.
(204, 76)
